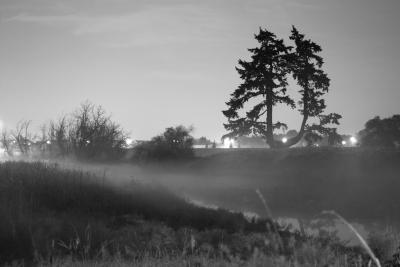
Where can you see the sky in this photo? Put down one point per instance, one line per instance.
(154, 64)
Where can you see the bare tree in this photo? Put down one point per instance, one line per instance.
(22, 136)
(92, 133)
(59, 135)
(6, 142)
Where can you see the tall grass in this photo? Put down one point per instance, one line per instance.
(60, 217)
(357, 234)
(47, 210)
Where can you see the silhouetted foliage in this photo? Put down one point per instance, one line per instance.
(175, 143)
(306, 68)
(94, 134)
(17, 141)
(58, 134)
(22, 136)
(265, 82)
(43, 207)
(381, 132)
(87, 133)
(334, 138)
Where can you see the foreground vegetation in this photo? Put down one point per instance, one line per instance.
(52, 216)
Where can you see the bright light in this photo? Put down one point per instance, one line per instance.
(48, 142)
(353, 140)
(344, 142)
(88, 142)
(129, 141)
(284, 140)
(228, 143)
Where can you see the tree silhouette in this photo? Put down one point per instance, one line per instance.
(89, 132)
(265, 83)
(381, 132)
(264, 80)
(93, 134)
(22, 136)
(306, 68)
(175, 143)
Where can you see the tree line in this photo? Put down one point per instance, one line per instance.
(90, 133)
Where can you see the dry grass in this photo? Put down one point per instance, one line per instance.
(360, 238)
(67, 218)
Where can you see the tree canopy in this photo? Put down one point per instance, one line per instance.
(265, 83)
(381, 132)
(174, 143)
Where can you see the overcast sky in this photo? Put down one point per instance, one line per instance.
(154, 64)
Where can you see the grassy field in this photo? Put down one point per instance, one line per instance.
(59, 217)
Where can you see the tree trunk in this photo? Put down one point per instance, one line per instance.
(297, 138)
(270, 131)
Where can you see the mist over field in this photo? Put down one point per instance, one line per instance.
(199, 133)
(297, 183)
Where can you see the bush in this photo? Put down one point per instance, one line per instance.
(175, 143)
(87, 133)
(381, 132)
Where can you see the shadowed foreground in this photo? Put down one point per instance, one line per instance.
(52, 216)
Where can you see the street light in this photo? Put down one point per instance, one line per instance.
(353, 140)
(284, 140)
(128, 141)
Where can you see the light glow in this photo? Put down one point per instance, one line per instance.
(228, 142)
(129, 141)
(344, 142)
(353, 140)
(284, 140)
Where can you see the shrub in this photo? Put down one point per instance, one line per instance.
(381, 132)
(87, 133)
(175, 143)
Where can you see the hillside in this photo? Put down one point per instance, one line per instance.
(359, 183)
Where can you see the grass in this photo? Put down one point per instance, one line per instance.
(58, 217)
(360, 238)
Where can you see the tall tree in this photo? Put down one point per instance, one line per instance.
(306, 68)
(264, 82)
(265, 79)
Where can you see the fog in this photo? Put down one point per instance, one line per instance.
(297, 186)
